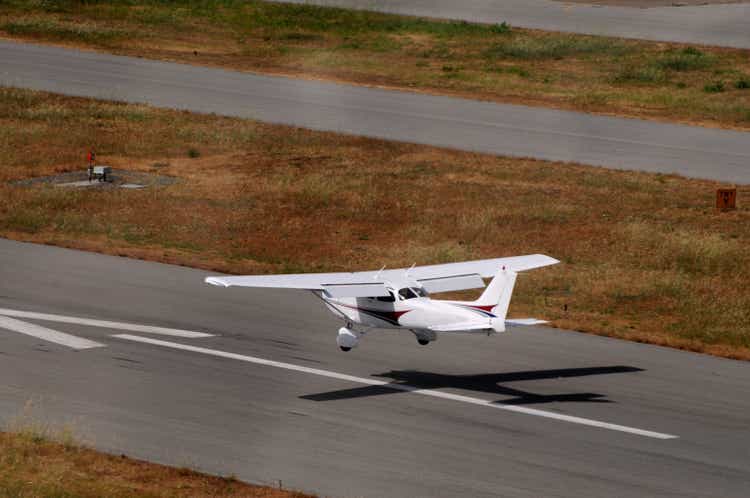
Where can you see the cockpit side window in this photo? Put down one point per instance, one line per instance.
(407, 293)
(387, 299)
(419, 291)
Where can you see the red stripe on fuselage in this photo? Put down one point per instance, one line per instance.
(483, 307)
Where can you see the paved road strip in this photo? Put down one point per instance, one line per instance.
(400, 387)
(509, 130)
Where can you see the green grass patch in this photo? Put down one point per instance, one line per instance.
(300, 36)
(687, 59)
(554, 47)
(90, 33)
(637, 73)
(715, 87)
(252, 15)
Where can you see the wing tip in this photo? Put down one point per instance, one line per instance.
(532, 262)
(550, 260)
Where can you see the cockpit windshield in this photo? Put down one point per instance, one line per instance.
(411, 293)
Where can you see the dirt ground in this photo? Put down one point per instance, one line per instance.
(73, 470)
(645, 4)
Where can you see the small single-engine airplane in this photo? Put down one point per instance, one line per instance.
(400, 298)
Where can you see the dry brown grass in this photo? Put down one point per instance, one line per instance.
(662, 81)
(645, 256)
(33, 465)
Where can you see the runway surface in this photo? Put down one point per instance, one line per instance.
(410, 117)
(723, 25)
(267, 396)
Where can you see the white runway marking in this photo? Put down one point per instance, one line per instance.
(146, 329)
(401, 387)
(47, 334)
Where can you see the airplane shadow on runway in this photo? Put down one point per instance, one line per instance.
(409, 380)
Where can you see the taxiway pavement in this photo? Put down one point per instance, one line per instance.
(722, 25)
(281, 402)
(394, 115)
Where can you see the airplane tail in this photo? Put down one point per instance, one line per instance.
(496, 300)
(496, 296)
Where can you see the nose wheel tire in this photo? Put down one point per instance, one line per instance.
(423, 342)
(345, 349)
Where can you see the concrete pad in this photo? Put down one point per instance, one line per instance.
(84, 183)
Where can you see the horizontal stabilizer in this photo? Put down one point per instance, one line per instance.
(217, 281)
(462, 326)
(518, 322)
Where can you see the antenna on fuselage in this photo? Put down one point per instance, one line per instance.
(410, 269)
(378, 273)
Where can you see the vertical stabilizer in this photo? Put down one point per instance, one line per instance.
(498, 293)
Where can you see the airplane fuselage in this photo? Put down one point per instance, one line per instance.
(418, 313)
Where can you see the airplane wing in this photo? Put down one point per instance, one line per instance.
(336, 284)
(452, 283)
(435, 278)
(449, 277)
(485, 268)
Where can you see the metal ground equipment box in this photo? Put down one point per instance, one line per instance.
(726, 199)
(101, 173)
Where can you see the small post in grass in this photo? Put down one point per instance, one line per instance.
(92, 161)
(726, 199)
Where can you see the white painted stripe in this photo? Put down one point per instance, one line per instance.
(146, 329)
(47, 334)
(402, 387)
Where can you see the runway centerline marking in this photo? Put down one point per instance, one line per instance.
(133, 327)
(47, 334)
(400, 387)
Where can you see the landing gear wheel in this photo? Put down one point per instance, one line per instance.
(345, 349)
(423, 342)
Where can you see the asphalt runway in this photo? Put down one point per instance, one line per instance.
(268, 396)
(410, 117)
(722, 25)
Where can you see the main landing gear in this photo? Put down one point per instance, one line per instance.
(347, 338)
(424, 337)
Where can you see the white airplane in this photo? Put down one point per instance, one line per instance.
(399, 299)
